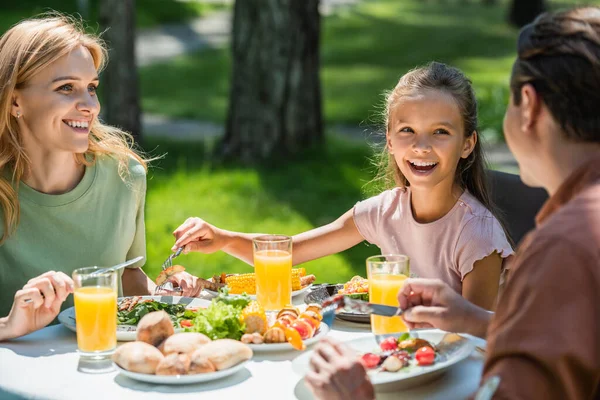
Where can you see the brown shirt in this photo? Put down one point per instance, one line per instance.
(544, 341)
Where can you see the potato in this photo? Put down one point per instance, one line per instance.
(138, 357)
(200, 364)
(155, 327)
(183, 343)
(174, 364)
(224, 353)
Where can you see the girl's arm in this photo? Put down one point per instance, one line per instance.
(198, 235)
(480, 286)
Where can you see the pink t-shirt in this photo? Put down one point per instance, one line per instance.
(445, 249)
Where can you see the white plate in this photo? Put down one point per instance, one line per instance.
(181, 379)
(253, 297)
(127, 333)
(268, 347)
(410, 376)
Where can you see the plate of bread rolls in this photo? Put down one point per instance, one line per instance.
(161, 356)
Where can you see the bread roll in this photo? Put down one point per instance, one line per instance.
(155, 327)
(138, 357)
(183, 343)
(200, 364)
(224, 353)
(174, 364)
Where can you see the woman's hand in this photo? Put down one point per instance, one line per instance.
(190, 285)
(336, 373)
(195, 234)
(47, 292)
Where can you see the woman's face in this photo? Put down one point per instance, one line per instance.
(58, 105)
(426, 137)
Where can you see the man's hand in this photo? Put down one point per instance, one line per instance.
(36, 305)
(336, 373)
(432, 303)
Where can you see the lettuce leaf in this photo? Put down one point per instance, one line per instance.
(239, 301)
(219, 321)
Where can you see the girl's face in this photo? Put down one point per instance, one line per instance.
(57, 106)
(426, 137)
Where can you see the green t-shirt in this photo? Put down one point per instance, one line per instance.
(100, 222)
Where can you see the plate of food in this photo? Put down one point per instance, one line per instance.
(292, 329)
(243, 319)
(246, 283)
(131, 309)
(357, 288)
(406, 360)
(161, 356)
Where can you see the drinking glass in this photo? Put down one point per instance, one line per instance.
(273, 268)
(386, 274)
(95, 298)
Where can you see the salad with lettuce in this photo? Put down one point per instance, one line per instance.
(222, 318)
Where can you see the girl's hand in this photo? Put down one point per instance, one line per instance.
(26, 317)
(195, 234)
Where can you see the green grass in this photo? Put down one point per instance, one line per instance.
(148, 12)
(289, 197)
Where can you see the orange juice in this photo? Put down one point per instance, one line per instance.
(96, 318)
(383, 289)
(273, 270)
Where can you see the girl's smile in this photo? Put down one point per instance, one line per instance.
(426, 138)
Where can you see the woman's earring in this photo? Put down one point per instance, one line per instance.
(18, 114)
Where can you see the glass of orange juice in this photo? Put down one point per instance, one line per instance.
(386, 274)
(95, 299)
(273, 268)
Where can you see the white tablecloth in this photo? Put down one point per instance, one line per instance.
(44, 365)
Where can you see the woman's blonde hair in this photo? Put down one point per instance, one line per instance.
(25, 50)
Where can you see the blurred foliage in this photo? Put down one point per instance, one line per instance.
(148, 12)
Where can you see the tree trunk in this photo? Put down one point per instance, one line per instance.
(275, 98)
(121, 105)
(523, 12)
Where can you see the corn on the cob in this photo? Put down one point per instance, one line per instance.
(253, 315)
(246, 283)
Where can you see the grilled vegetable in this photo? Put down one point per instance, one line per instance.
(246, 283)
(275, 335)
(254, 317)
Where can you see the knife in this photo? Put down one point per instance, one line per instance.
(341, 303)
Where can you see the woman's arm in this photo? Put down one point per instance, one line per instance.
(480, 286)
(136, 282)
(198, 235)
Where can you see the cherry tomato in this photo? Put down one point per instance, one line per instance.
(186, 323)
(389, 344)
(425, 356)
(370, 360)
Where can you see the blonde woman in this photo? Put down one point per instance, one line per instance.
(72, 190)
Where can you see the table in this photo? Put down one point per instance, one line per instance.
(44, 365)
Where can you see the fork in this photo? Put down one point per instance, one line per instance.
(168, 285)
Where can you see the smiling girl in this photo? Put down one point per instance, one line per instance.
(439, 213)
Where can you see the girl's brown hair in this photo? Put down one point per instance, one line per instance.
(559, 55)
(25, 50)
(470, 173)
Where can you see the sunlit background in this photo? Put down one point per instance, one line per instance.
(185, 68)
